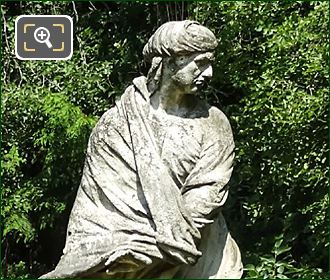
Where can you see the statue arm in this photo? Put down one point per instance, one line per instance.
(205, 189)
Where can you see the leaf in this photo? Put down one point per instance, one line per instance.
(282, 250)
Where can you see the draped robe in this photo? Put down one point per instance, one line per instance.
(149, 199)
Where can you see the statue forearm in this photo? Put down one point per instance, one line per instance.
(204, 201)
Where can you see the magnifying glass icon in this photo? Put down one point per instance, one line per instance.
(41, 35)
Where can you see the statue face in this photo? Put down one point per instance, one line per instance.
(191, 73)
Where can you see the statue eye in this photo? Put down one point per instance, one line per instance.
(180, 60)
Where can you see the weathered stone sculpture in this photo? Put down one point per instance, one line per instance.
(157, 165)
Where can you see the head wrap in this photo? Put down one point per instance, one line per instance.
(179, 37)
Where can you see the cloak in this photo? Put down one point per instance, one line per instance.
(150, 195)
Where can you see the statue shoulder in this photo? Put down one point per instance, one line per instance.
(218, 119)
(217, 128)
(106, 120)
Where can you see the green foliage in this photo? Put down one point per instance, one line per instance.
(45, 134)
(279, 265)
(17, 271)
(270, 77)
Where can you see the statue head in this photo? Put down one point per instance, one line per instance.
(184, 48)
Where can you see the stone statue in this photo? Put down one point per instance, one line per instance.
(155, 175)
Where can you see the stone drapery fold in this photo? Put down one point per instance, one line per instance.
(129, 209)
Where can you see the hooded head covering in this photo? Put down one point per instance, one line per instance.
(175, 38)
(179, 37)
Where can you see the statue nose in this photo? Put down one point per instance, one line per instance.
(208, 72)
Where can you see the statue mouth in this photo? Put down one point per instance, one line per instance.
(201, 84)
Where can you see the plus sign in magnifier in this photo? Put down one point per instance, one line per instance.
(41, 35)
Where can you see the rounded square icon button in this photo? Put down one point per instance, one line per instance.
(43, 37)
